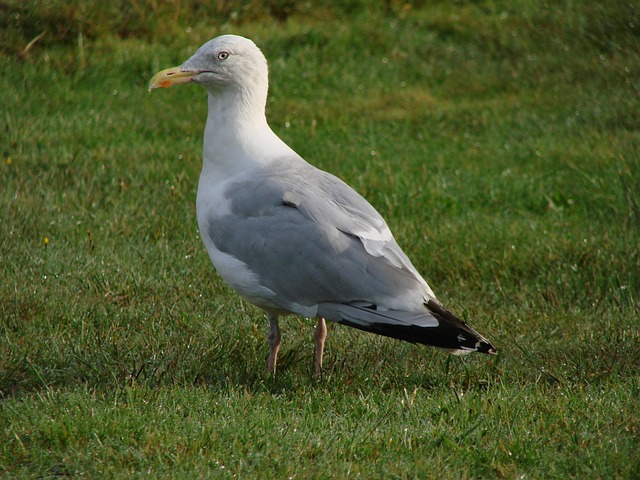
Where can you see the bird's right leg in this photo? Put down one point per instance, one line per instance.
(274, 342)
(320, 334)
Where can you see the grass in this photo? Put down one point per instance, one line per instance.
(499, 139)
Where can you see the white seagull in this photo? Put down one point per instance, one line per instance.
(291, 238)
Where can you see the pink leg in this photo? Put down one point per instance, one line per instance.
(274, 342)
(320, 334)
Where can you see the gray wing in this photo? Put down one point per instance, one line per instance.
(310, 239)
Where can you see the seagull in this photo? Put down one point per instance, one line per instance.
(291, 238)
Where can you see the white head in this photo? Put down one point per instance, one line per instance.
(226, 63)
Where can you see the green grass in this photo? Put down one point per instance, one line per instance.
(499, 139)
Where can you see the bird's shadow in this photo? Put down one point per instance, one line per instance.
(295, 372)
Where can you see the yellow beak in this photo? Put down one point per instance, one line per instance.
(170, 76)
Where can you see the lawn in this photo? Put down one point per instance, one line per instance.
(500, 140)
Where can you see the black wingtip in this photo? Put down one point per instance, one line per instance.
(477, 343)
(435, 326)
(485, 347)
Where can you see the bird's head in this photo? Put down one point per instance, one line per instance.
(226, 61)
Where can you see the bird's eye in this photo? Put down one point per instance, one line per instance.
(223, 55)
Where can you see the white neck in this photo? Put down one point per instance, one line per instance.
(237, 137)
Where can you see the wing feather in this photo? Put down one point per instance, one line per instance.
(310, 239)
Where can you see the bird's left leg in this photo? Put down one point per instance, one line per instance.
(274, 342)
(320, 334)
